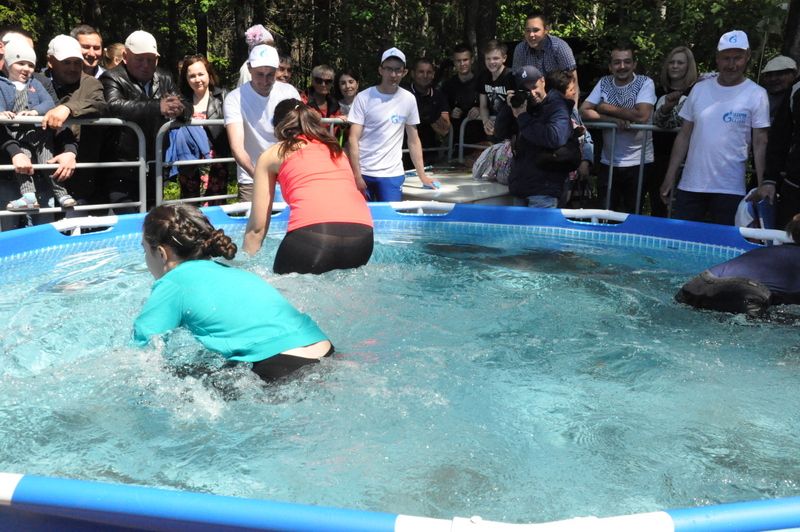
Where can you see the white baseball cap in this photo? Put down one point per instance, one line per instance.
(778, 63)
(141, 42)
(263, 55)
(733, 39)
(393, 52)
(63, 47)
(18, 50)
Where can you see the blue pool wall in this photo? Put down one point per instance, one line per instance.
(691, 234)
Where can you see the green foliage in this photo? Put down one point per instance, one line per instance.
(354, 32)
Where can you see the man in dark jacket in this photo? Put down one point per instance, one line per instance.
(137, 91)
(540, 165)
(79, 96)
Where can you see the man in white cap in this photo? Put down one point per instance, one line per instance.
(79, 96)
(248, 114)
(254, 36)
(777, 77)
(138, 91)
(378, 117)
(720, 117)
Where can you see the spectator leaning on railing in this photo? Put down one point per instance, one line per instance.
(79, 96)
(623, 98)
(137, 91)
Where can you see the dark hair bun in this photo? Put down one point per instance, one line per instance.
(218, 244)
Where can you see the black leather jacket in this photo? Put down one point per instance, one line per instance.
(127, 100)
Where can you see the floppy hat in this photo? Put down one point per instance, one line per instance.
(18, 50)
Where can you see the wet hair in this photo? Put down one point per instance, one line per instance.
(793, 228)
(493, 45)
(293, 119)
(691, 68)
(183, 85)
(345, 72)
(558, 80)
(110, 52)
(84, 29)
(187, 231)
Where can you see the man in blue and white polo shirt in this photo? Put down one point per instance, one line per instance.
(720, 117)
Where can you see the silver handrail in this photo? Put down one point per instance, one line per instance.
(141, 163)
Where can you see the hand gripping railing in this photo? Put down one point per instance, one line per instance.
(141, 163)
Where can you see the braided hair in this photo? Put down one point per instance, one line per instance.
(188, 232)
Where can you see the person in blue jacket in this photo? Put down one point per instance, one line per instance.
(231, 311)
(546, 151)
(751, 282)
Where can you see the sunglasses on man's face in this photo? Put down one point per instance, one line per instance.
(323, 81)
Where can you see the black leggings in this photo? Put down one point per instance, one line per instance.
(281, 365)
(320, 248)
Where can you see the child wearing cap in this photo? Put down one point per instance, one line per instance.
(378, 117)
(21, 95)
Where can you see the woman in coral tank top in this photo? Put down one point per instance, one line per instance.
(330, 225)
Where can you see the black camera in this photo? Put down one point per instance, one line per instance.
(519, 97)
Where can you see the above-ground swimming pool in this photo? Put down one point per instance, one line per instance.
(501, 362)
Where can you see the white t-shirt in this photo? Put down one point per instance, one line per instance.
(245, 106)
(723, 119)
(628, 144)
(384, 117)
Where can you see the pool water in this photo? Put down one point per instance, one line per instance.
(479, 371)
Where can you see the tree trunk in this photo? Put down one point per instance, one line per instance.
(791, 33)
(243, 18)
(201, 24)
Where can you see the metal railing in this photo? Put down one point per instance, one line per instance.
(649, 128)
(140, 162)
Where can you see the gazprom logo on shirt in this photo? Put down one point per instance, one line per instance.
(734, 117)
(397, 119)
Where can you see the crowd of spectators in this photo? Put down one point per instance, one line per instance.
(529, 99)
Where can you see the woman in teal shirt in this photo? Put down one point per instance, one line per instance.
(233, 312)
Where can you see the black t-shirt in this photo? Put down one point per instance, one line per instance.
(431, 104)
(496, 89)
(461, 94)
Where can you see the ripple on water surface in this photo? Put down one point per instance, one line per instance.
(515, 377)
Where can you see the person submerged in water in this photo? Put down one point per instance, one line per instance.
(230, 311)
(751, 282)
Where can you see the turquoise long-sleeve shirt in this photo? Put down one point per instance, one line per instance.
(231, 311)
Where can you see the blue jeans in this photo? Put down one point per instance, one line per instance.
(542, 202)
(384, 188)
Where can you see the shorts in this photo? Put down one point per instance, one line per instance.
(384, 188)
(320, 248)
(281, 365)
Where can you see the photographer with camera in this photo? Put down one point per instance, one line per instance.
(545, 150)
